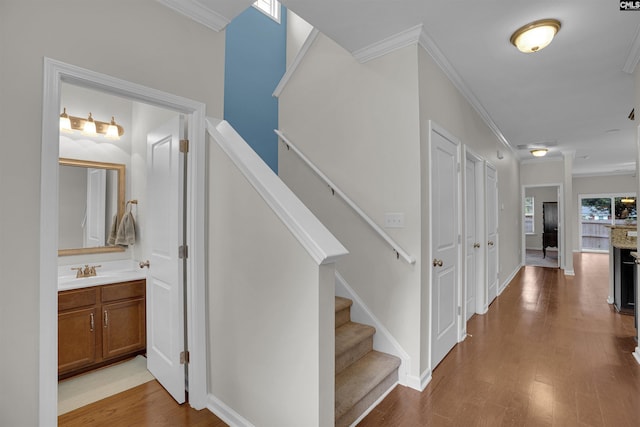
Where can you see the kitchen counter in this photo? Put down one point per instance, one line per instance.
(624, 236)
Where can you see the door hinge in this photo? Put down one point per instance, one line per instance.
(184, 145)
(459, 311)
(183, 252)
(184, 357)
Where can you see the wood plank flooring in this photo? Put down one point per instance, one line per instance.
(550, 352)
(145, 405)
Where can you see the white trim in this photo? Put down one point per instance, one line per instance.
(225, 413)
(373, 405)
(274, 9)
(569, 273)
(509, 279)
(56, 72)
(633, 55)
(383, 340)
(636, 354)
(323, 247)
(390, 44)
(199, 13)
(396, 247)
(432, 49)
(296, 62)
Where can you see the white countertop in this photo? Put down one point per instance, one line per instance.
(108, 272)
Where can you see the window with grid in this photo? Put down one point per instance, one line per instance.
(271, 8)
(529, 213)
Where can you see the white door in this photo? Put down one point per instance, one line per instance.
(165, 310)
(491, 185)
(95, 214)
(444, 171)
(472, 237)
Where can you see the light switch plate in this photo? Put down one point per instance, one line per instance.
(394, 220)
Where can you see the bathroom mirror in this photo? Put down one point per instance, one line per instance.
(90, 198)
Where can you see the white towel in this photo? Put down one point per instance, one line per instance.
(127, 230)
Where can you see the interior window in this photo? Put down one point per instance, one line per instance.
(271, 8)
(529, 215)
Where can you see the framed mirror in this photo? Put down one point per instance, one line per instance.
(91, 199)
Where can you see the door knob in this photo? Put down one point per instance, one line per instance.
(144, 264)
(437, 262)
(490, 243)
(476, 245)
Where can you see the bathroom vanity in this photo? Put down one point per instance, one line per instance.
(99, 325)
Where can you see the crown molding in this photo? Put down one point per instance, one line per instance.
(199, 13)
(397, 41)
(633, 56)
(432, 49)
(296, 62)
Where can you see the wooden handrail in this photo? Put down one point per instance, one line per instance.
(336, 191)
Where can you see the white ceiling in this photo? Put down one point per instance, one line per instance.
(573, 96)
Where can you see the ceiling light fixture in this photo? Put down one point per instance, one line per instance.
(628, 200)
(89, 126)
(539, 152)
(535, 36)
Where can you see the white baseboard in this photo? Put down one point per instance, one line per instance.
(225, 413)
(509, 279)
(610, 300)
(569, 273)
(373, 405)
(383, 340)
(636, 354)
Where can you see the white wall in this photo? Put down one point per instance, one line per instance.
(149, 44)
(540, 195)
(359, 124)
(271, 311)
(441, 102)
(297, 31)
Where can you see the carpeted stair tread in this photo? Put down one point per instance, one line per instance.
(353, 340)
(342, 303)
(343, 311)
(355, 382)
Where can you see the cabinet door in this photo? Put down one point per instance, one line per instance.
(77, 339)
(123, 327)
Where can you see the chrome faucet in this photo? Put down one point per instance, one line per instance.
(86, 271)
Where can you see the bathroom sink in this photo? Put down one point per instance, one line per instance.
(104, 277)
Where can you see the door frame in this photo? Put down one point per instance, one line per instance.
(560, 199)
(481, 285)
(434, 127)
(55, 73)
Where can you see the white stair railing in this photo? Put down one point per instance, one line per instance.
(336, 191)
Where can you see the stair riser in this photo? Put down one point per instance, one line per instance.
(350, 416)
(354, 353)
(343, 316)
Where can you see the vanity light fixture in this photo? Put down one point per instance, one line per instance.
(536, 35)
(539, 152)
(90, 126)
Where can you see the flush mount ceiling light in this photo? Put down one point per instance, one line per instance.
(539, 152)
(89, 126)
(535, 36)
(628, 200)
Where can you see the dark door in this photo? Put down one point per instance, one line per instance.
(550, 226)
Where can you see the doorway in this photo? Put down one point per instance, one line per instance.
(56, 74)
(541, 226)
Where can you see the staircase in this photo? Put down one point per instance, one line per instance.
(362, 374)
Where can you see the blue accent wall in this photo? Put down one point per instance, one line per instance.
(255, 61)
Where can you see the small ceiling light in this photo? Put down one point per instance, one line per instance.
(539, 152)
(65, 122)
(628, 200)
(89, 126)
(536, 35)
(112, 130)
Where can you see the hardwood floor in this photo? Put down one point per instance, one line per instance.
(146, 405)
(550, 352)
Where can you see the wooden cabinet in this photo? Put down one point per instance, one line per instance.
(100, 325)
(550, 226)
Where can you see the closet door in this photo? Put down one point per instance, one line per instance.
(491, 192)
